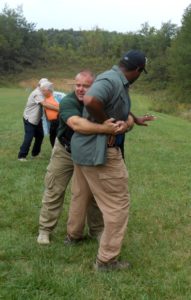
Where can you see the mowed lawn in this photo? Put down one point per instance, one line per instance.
(158, 239)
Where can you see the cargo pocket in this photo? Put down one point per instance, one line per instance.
(49, 180)
(114, 183)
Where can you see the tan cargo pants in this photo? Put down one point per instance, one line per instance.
(59, 173)
(109, 186)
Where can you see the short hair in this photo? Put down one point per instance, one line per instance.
(42, 80)
(86, 72)
(47, 85)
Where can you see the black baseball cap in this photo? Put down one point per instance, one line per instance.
(135, 58)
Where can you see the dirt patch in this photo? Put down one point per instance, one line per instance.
(65, 85)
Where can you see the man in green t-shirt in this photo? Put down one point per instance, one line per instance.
(60, 168)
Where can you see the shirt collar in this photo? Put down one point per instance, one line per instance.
(121, 75)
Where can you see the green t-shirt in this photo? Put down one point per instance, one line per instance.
(111, 88)
(69, 106)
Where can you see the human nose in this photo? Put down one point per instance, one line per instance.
(81, 88)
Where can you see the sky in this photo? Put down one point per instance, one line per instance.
(111, 15)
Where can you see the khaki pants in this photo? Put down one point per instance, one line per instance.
(59, 173)
(109, 186)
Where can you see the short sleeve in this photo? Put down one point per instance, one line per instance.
(68, 109)
(102, 90)
(38, 98)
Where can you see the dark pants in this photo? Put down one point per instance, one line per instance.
(53, 131)
(122, 146)
(31, 131)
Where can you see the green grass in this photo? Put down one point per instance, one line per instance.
(157, 242)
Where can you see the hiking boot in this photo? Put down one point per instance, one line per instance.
(71, 241)
(111, 265)
(43, 238)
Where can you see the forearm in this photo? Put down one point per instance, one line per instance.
(50, 106)
(142, 119)
(84, 126)
(133, 116)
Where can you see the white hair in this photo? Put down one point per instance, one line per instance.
(47, 85)
(42, 80)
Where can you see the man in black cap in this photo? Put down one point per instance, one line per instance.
(98, 164)
(134, 59)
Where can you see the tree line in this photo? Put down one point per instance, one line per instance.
(168, 49)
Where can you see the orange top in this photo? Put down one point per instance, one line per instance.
(50, 113)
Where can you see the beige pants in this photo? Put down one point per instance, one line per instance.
(59, 173)
(109, 185)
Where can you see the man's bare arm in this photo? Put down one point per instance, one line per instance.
(84, 126)
(95, 108)
(141, 120)
(50, 106)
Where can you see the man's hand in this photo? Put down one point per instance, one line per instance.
(141, 120)
(111, 127)
(124, 126)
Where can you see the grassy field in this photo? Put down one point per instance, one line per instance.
(158, 239)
